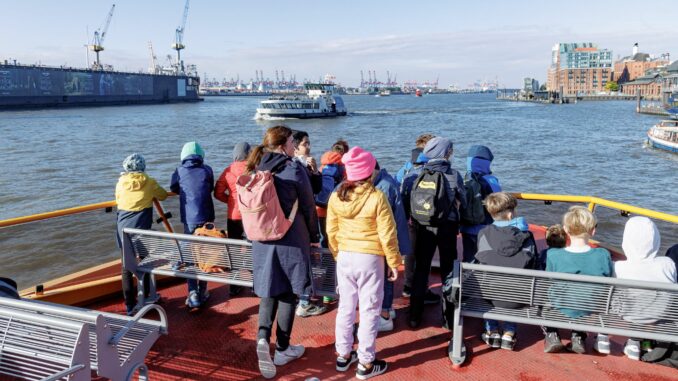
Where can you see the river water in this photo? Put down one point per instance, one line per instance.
(54, 159)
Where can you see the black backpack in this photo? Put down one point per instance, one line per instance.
(429, 204)
(473, 213)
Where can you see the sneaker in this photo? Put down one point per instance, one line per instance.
(205, 297)
(234, 290)
(431, 298)
(292, 352)
(578, 344)
(508, 341)
(193, 301)
(310, 310)
(407, 291)
(328, 300)
(552, 343)
(343, 364)
(646, 346)
(493, 339)
(266, 367)
(378, 367)
(391, 313)
(385, 325)
(602, 344)
(632, 349)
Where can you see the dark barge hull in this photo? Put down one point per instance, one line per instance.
(35, 87)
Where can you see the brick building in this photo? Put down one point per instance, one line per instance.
(579, 68)
(637, 65)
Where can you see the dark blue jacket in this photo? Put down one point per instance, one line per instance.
(194, 182)
(388, 185)
(455, 185)
(284, 266)
(479, 166)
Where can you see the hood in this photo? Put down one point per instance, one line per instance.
(518, 222)
(330, 157)
(441, 165)
(273, 161)
(192, 161)
(382, 173)
(351, 208)
(415, 154)
(506, 241)
(481, 152)
(133, 181)
(641, 239)
(421, 159)
(241, 151)
(191, 148)
(478, 165)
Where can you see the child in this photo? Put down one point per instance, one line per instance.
(507, 243)
(194, 182)
(134, 196)
(556, 238)
(361, 232)
(578, 258)
(641, 244)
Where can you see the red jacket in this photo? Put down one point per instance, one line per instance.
(224, 190)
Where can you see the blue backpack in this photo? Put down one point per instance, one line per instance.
(332, 174)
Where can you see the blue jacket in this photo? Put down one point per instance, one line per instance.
(418, 159)
(194, 182)
(388, 185)
(455, 185)
(479, 166)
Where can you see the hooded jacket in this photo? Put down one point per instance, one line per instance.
(364, 224)
(507, 246)
(224, 189)
(135, 191)
(478, 164)
(328, 158)
(455, 185)
(641, 244)
(194, 182)
(418, 159)
(387, 184)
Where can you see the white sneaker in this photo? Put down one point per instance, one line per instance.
(391, 313)
(292, 352)
(385, 325)
(632, 349)
(602, 344)
(266, 366)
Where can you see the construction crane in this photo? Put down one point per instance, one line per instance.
(99, 36)
(179, 38)
(153, 69)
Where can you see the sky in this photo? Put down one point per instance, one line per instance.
(457, 42)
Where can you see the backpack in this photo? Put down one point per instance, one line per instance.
(429, 204)
(473, 213)
(332, 174)
(262, 217)
(207, 256)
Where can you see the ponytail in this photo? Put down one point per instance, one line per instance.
(274, 137)
(254, 158)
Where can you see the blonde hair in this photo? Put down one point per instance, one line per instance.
(556, 236)
(579, 221)
(499, 204)
(423, 139)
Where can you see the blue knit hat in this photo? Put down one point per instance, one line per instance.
(134, 163)
(438, 148)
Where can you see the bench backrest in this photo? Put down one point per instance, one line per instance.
(605, 305)
(157, 251)
(36, 347)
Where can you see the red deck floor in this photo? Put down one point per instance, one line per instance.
(218, 343)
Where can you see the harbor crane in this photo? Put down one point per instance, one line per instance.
(153, 69)
(179, 39)
(99, 36)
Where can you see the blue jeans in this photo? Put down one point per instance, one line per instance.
(387, 303)
(493, 325)
(193, 285)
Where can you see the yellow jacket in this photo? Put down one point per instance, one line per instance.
(135, 191)
(364, 224)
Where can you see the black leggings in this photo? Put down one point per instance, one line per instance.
(282, 305)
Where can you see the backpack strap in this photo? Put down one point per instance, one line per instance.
(293, 213)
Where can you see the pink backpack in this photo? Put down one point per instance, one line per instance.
(262, 217)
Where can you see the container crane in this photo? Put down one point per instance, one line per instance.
(99, 36)
(179, 38)
(153, 69)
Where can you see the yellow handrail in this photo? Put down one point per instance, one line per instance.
(590, 200)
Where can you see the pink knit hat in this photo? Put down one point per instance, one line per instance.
(359, 164)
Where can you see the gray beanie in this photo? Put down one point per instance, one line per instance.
(134, 163)
(438, 148)
(241, 151)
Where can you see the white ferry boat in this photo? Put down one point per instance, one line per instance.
(664, 135)
(320, 102)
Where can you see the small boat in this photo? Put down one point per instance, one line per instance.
(385, 93)
(418, 93)
(664, 135)
(320, 102)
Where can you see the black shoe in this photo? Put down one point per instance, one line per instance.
(407, 291)
(552, 343)
(343, 364)
(234, 290)
(414, 323)
(578, 344)
(378, 367)
(431, 298)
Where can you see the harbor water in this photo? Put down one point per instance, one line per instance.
(55, 159)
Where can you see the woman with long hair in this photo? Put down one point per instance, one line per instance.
(282, 267)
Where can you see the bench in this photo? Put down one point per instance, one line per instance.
(612, 303)
(117, 345)
(35, 347)
(179, 255)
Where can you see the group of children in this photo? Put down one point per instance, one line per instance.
(371, 222)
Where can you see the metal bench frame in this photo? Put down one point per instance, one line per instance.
(155, 252)
(117, 344)
(474, 284)
(28, 341)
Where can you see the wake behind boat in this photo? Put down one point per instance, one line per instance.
(320, 102)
